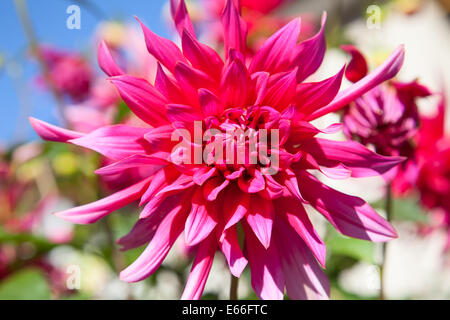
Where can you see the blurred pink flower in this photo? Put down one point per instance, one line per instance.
(386, 117)
(433, 178)
(70, 72)
(210, 201)
(260, 17)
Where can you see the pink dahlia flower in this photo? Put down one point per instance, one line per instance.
(196, 92)
(386, 117)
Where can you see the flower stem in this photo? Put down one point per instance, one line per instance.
(22, 12)
(388, 210)
(234, 287)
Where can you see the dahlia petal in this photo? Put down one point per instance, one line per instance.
(232, 252)
(165, 236)
(162, 49)
(294, 213)
(260, 219)
(193, 79)
(201, 56)
(303, 276)
(158, 138)
(261, 80)
(384, 72)
(115, 142)
(159, 180)
(183, 113)
(266, 269)
(180, 16)
(200, 269)
(203, 174)
(357, 67)
(314, 95)
(338, 172)
(290, 181)
(201, 221)
(183, 182)
(350, 215)
(142, 98)
(253, 184)
(234, 85)
(134, 161)
(168, 86)
(361, 161)
(234, 28)
(234, 211)
(209, 103)
(213, 187)
(276, 52)
(50, 132)
(144, 229)
(302, 131)
(309, 54)
(106, 61)
(281, 90)
(141, 233)
(89, 213)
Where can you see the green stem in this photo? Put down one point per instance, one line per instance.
(234, 288)
(24, 17)
(388, 210)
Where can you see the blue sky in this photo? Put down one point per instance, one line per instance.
(49, 21)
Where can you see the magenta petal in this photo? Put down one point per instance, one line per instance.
(193, 79)
(89, 213)
(134, 161)
(210, 104)
(361, 161)
(200, 269)
(234, 211)
(384, 72)
(350, 215)
(265, 266)
(294, 213)
(168, 87)
(203, 174)
(308, 55)
(234, 85)
(275, 54)
(162, 49)
(106, 61)
(144, 229)
(234, 28)
(201, 221)
(232, 251)
(115, 142)
(213, 187)
(357, 67)
(165, 236)
(50, 132)
(141, 233)
(260, 219)
(142, 98)
(180, 16)
(314, 95)
(183, 113)
(280, 90)
(201, 56)
(303, 276)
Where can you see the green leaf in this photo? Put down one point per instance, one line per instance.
(405, 209)
(27, 284)
(350, 247)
